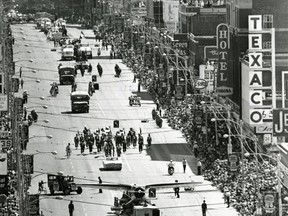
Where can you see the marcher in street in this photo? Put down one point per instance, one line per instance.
(184, 163)
(21, 83)
(24, 113)
(149, 141)
(90, 68)
(204, 208)
(199, 167)
(140, 143)
(176, 190)
(157, 104)
(71, 208)
(100, 182)
(76, 141)
(25, 97)
(20, 72)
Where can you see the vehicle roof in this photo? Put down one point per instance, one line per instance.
(67, 66)
(85, 48)
(79, 93)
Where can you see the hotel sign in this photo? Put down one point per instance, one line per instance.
(224, 77)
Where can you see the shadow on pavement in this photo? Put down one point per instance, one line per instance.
(173, 151)
(143, 95)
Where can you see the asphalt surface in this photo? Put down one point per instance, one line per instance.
(107, 104)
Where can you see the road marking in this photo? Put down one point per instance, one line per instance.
(101, 109)
(129, 168)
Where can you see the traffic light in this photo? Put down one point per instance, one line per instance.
(152, 192)
(116, 124)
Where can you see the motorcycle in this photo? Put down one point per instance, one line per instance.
(34, 115)
(54, 91)
(171, 168)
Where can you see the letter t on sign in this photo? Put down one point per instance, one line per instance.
(255, 23)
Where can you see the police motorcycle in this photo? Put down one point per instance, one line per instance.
(54, 90)
(32, 117)
(171, 168)
(117, 71)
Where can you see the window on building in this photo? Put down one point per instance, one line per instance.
(267, 21)
(267, 45)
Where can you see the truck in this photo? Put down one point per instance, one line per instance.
(67, 52)
(79, 101)
(66, 74)
(62, 183)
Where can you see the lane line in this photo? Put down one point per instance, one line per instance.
(129, 168)
(101, 109)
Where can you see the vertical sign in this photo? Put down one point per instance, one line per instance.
(280, 122)
(269, 203)
(224, 77)
(257, 73)
(233, 162)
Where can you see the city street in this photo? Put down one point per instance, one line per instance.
(107, 104)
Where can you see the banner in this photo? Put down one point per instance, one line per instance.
(170, 14)
(233, 162)
(280, 122)
(28, 163)
(270, 203)
(33, 204)
(224, 76)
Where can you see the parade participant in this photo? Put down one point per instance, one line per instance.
(176, 190)
(76, 140)
(100, 182)
(68, 150)
(149, 141)
(25, 97)
(118, 149)
(99, 51)
(100, 69)
(184, 163)
(89, 68)
(73, 86)
(34, 115)
(140, 142)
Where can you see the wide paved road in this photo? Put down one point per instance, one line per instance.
(106, 105)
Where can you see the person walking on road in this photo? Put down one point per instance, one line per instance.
(227, 198)
(176, 190)
(21, 83)
(204, 208)
(100, 182)
(140, 143)
(184, 163)
(199, 167)
(149, 141)
(71, 208)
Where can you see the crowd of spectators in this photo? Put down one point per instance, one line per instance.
(10, 206)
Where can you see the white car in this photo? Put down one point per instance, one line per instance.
(112, 163)
(67, 52)
(87, 50)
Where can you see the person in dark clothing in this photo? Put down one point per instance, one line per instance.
(71, 208)
(90, 68)
(204, 208)
(100, 70)
(100, 182)
(176, 190)
(149, 141)
(140, 143)
(82, 70)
